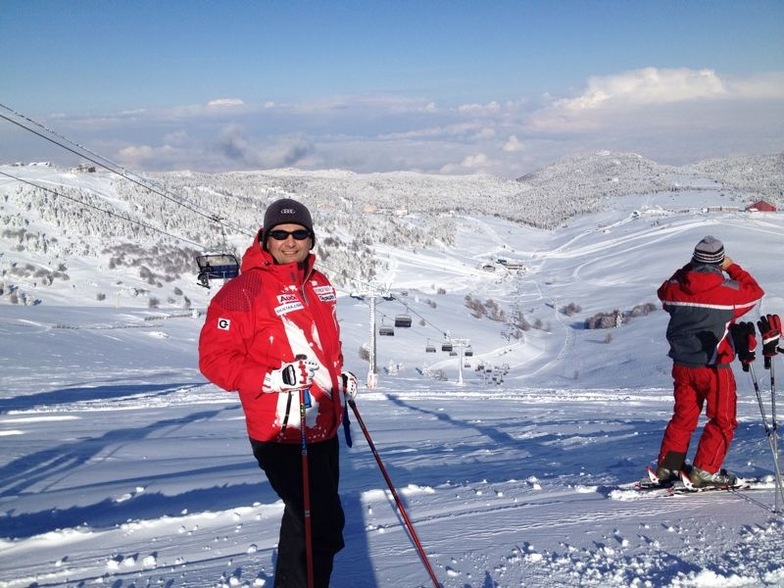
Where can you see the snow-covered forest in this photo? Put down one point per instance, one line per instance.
(158, 224)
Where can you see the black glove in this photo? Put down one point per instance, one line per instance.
(745, 343)
(770, 331)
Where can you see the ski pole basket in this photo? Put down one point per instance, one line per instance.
(217, 266)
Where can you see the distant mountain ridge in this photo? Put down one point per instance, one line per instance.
(631, 173)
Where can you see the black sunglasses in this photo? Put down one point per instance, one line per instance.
(281, 235)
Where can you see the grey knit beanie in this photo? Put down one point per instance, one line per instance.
(286, 211)
(708, 251)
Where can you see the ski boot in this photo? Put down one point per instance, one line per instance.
(699, 478)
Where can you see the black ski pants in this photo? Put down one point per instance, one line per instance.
(282, 464)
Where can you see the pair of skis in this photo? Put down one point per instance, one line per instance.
(684, 485)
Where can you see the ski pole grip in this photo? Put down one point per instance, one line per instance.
(306, 392)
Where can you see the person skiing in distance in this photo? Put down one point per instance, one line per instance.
(272, 334)
(702, 303)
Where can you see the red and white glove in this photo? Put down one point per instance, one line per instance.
(745, 343)
(295, 375)
(770, 330)
(350, 385)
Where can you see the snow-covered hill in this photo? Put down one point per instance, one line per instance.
(141, 234)
(123, 467)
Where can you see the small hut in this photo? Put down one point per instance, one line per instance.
(761, 206)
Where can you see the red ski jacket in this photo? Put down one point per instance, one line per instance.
(262, 319)
(702, 304)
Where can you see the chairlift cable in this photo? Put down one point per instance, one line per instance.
(145, 183)
(448, 341)
(412, 311)
(98, 208)
(53, 137)
(81, 151)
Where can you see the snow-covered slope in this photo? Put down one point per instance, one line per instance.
(123, 467)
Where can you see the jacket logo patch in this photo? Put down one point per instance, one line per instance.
(288, 306)
(286, 298)
(325, 293)
(224, 324)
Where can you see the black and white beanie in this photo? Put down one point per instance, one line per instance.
(708, 251)
(286, 211)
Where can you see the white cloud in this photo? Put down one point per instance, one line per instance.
(652, 96)
(485, 133)
(475, 161)
(513, 144)
(491, 108)
(672, 115)
(177, 138)
(140, 156)
(767, 86)
(225, 103)
(646, 86)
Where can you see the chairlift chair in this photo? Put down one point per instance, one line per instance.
(430, 348)
(446, 346)
(386, 331)
(468, 352)
(217, 266)
(403, 320)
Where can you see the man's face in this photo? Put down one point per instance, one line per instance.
(286, 248)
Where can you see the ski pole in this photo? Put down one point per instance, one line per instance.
(403, 514)
(769, 433)
(774, 425)
(763, 326)
(770, 330)
(303, 394)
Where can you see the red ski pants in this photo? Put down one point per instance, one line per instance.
(695, 387)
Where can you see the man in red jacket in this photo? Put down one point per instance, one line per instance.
(272, 335)
(702, 304)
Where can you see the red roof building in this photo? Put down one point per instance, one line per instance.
(761, 206)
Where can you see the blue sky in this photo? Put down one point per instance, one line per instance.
(497, 87)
